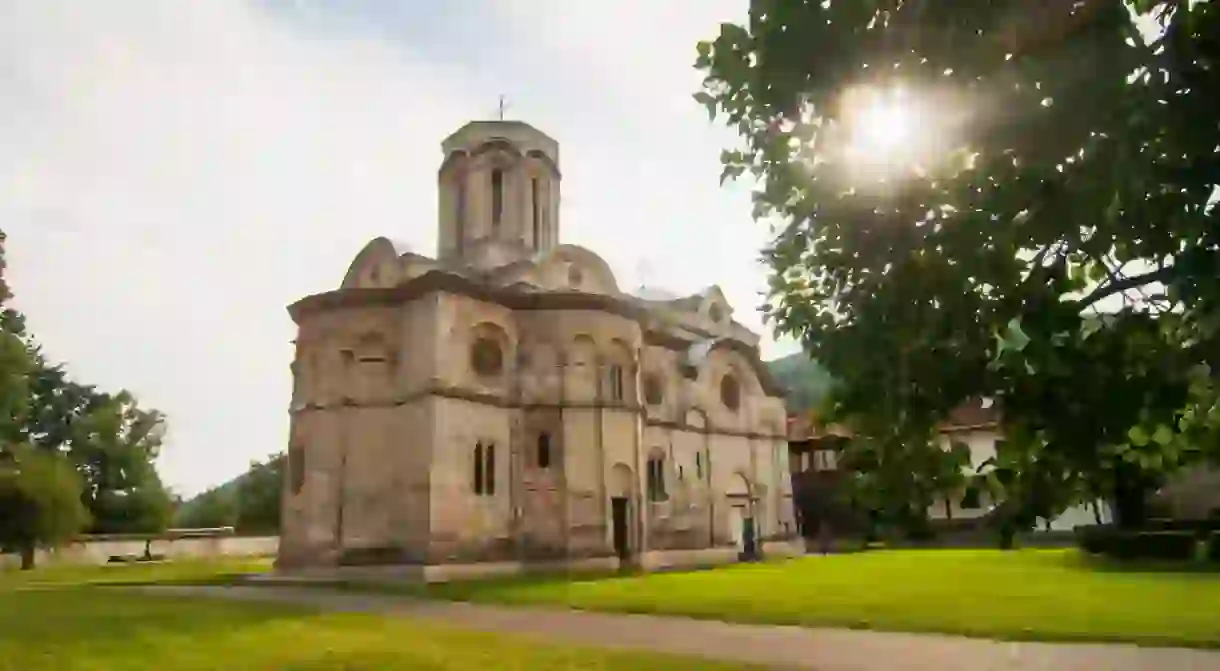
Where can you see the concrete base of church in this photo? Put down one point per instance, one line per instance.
(784, 549)
(440, 573)
(663, 560)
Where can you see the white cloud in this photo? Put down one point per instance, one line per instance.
(175, 173)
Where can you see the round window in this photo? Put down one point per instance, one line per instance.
(575, 276)
(715, 313)
(654, 389)
(486, 357)
(730, 392)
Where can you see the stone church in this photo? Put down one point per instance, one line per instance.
(508, 403)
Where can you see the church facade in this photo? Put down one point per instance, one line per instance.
(506, 402)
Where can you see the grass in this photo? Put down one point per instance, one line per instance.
(1020, 595)
(62, 619)
(217, 571)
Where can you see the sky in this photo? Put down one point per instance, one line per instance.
(174, 174)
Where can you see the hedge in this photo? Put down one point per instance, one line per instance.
(1168, 545)
(1213, 548)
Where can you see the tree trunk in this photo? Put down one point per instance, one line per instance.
(1130, 497)
(1008, 533)
(28, 559)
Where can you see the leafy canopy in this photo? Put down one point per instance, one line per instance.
(1009, 198)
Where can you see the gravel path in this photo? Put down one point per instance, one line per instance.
(795, 647)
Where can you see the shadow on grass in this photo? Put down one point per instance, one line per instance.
(69, 620)
(1085, 562)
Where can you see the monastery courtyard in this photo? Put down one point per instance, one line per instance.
(1029, 609)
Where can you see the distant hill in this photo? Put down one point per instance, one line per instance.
(806, 381)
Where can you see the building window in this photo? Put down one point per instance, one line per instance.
(654, 389)
(485, 469)
(486, 357)
(698, 466)
(536, 212)
(616, 382)
(656, 478)
(459, 216)
(296, 468)
(497, 197)
(715, 313)
(730, 392)
(544, 450)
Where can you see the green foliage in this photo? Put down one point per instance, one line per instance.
(807, 383)
(1213, 547)
(250, 502)
(1046, 240)
(110, 441)
(1128, 545)
(258, 496)
(210, 510)
(40, 501)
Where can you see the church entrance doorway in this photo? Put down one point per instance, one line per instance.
(618, 518)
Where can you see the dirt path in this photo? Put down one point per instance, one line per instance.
(822, 649)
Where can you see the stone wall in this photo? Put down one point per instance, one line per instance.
(100, 551)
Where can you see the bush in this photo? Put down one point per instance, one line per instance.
(1168, 545)
(1096, 539)
(1201, 528)
(1213, 548)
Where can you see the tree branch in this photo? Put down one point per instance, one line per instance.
(1127, 283)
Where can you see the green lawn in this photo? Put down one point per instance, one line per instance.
(55, 620)
(1028, 594)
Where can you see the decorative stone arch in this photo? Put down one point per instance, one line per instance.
(539, 157)
(620, 367)
(581, 368)
(656, 474)
(622, 481)
(454, 164)
(739, 486)
(365, 268)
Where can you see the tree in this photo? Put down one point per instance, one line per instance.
(112, 442)
(115, 445)
(1045, 239)
(258, 496)
(212, 509)
(15, 365)
(40, 500)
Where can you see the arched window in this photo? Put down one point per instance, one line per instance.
(616, 382)
(459, 215)
(537, 210)
(654, 389)
(656, 478)
(497, 197)
(730, 392)
(485, 469)
(544, 450)
(486, 357)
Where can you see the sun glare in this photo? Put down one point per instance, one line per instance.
(886, 123)
(888, 133)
